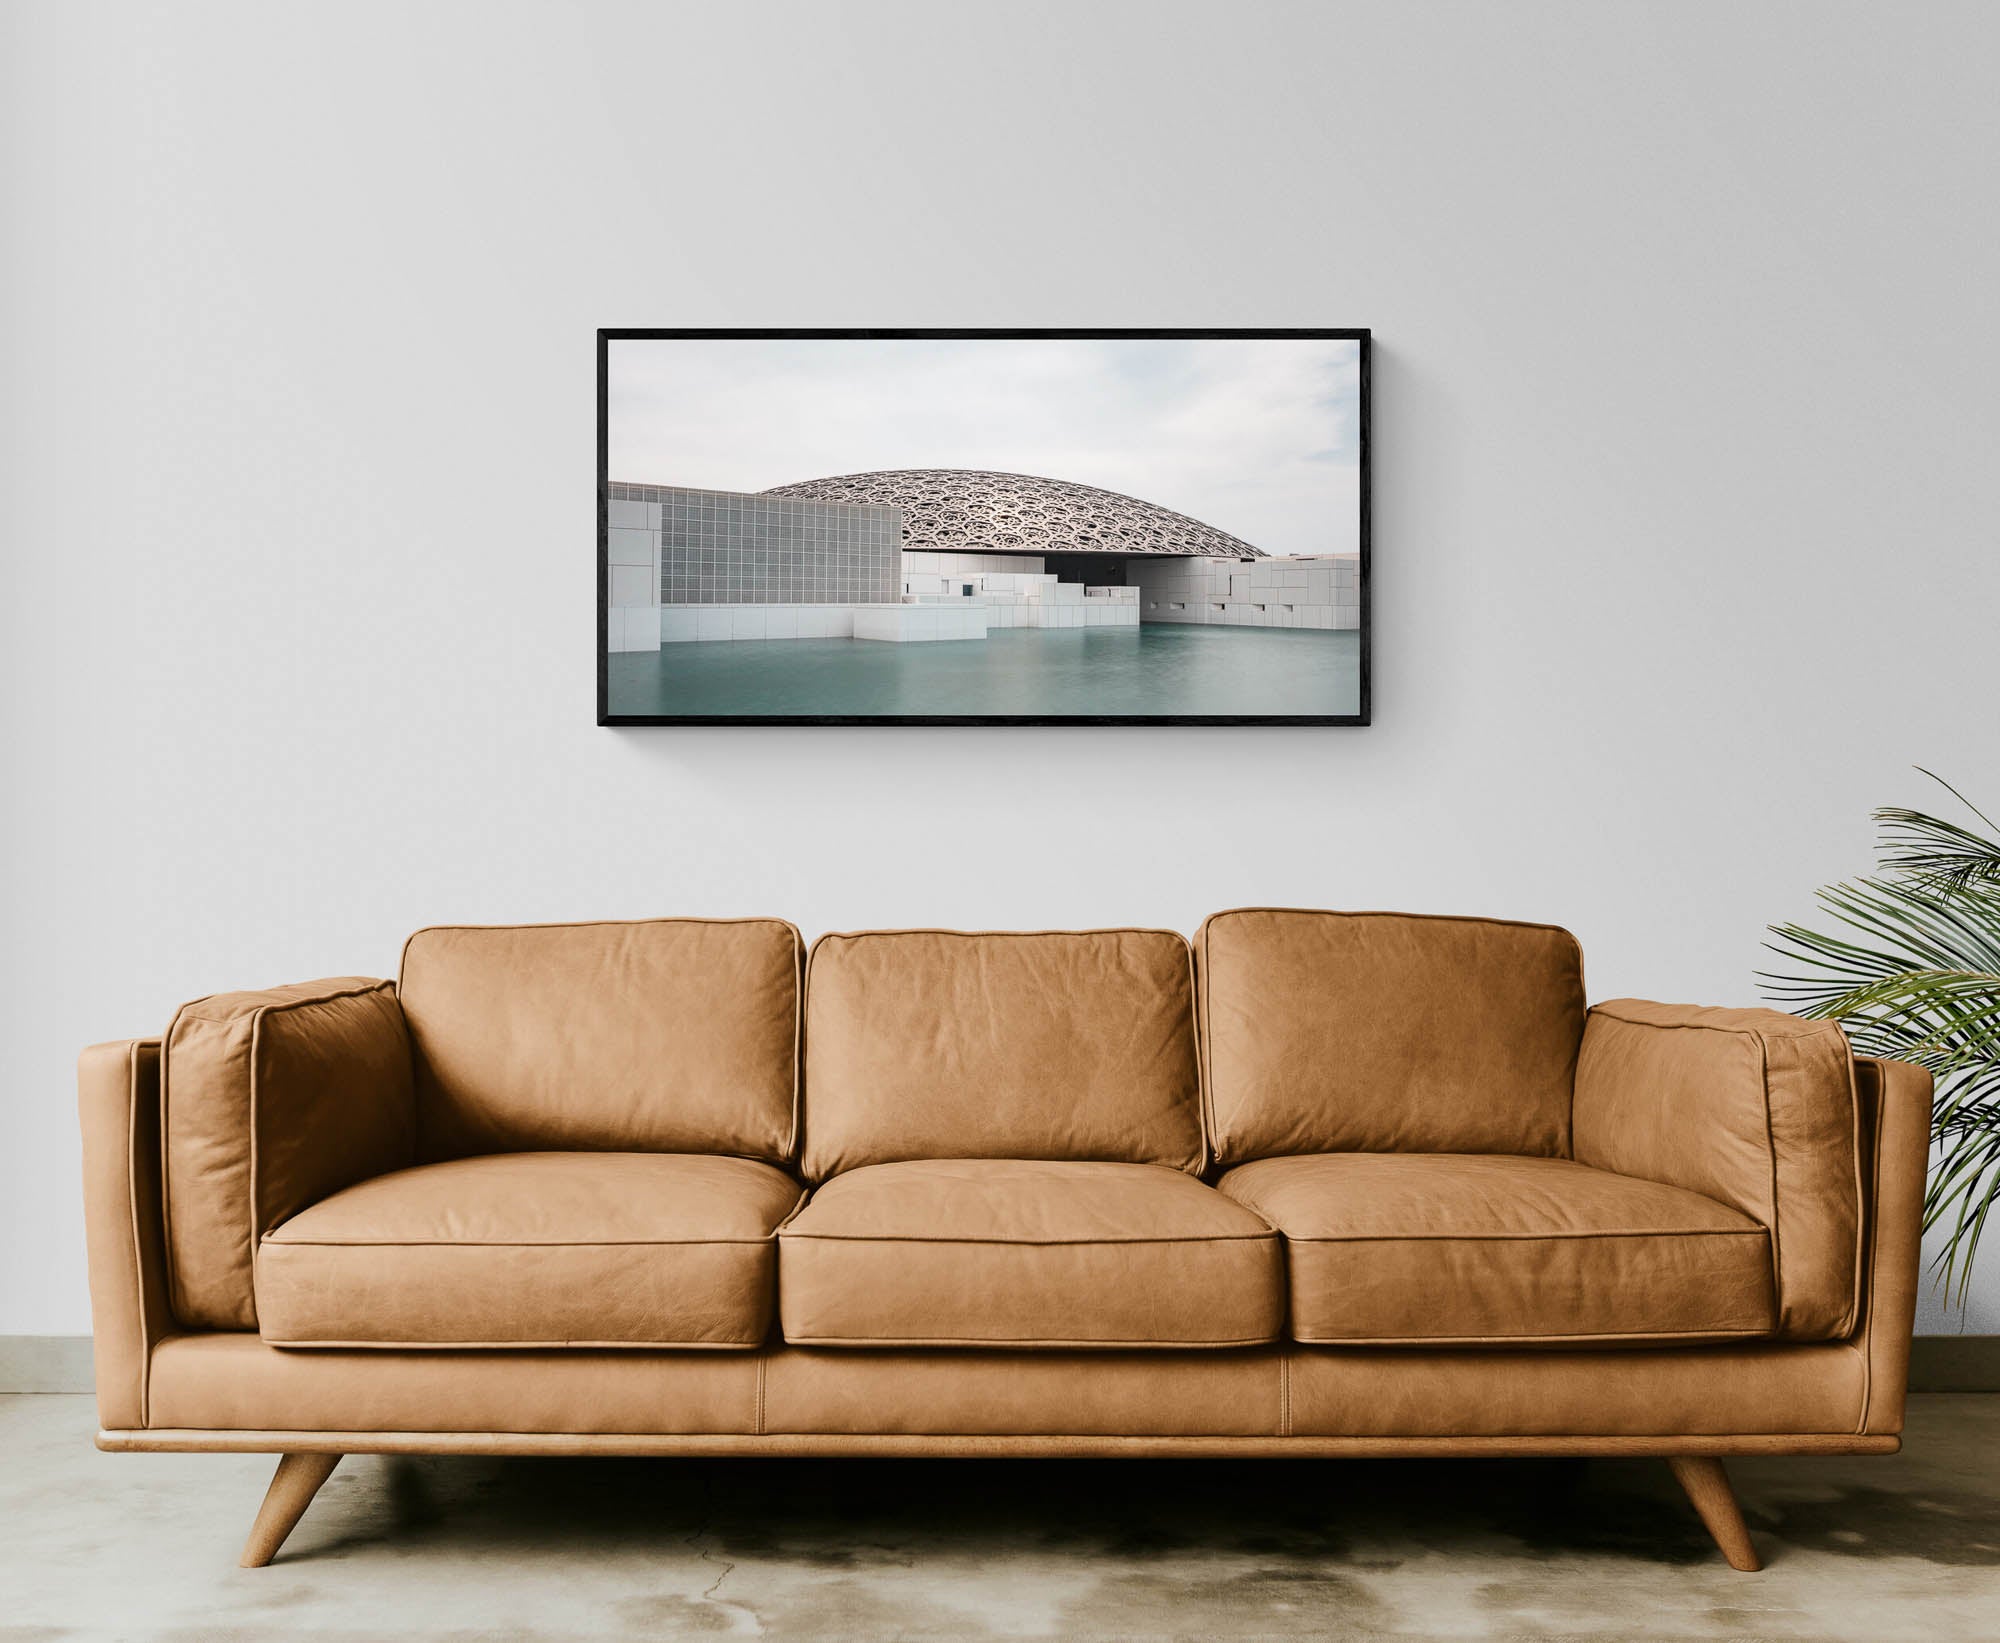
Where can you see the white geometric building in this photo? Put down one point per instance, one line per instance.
(1322, 591)
(978, 551)
(1015, 591)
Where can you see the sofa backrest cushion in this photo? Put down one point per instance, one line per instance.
(666, 1035)
(1071, 1044)
(1753, 1107)
(268, 1101)
(1386, 1032)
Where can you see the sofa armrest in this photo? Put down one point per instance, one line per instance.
(271, 1101)
(118, 1105)
(1896, 1140)
(1754, 1108)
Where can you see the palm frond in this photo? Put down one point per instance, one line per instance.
(1953, 1010)
(1917, 845)
(1902, 926)
(1922, 846)
(1914, 975)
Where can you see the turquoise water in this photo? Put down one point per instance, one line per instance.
(1157, 670)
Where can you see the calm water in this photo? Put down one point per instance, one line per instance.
(1151, 670)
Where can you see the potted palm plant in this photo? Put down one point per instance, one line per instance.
(1913, 972)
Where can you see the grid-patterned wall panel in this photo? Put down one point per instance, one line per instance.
(729, 548)
(966, 510)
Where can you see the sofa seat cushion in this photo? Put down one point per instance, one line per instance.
(533, 1249)
(1011, 1253)
(1476, 1249)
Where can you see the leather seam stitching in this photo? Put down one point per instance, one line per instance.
(1759, 1033)
(1874, 1225)
(1204, 1151)
(173, 1439)
(1105, 1342)
(1022, 1243)
(1204, 1034)
(274, 1241)
(252, 1193)
(1852, 1315)
(1377, 912)
(176, 1298)
(1771, 1152)
(1517, 1237)
(344, 1345)
(132, 1223)
(596, 924)
(1745, 1333)
(987, 935)
(188, 1013)
(795, 1146)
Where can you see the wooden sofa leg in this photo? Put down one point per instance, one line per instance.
(1708, 1490)
(293, 1486)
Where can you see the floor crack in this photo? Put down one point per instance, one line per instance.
(701, 1531)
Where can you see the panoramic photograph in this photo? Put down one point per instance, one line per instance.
(983, 527)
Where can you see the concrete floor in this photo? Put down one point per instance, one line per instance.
(143, 1546)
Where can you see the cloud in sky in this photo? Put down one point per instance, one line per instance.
(1257, 438)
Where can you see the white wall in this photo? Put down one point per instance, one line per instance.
(1686, 469)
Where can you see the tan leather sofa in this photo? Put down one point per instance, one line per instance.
(1317, 1184)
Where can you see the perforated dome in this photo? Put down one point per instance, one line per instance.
(962, 510)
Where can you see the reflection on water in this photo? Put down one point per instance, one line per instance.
(1154, 670)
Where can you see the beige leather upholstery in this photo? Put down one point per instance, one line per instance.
(940, 1044)
(271, 1100)
(222, 1383)
(1751, 1107)
(163, 1384)
(1004, 1392)
(533, 1249)
(1386, 1032)
(975, 1252)
(1686, 1391)
(237, 1383)
(1895, 1104)
(1480, 1250)
(668, 1035)
(118, 1102)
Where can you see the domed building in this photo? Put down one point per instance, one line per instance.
(964, 510)
(1039, 552)
(938, 553)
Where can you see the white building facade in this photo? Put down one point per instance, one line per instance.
(847, 558)
(1323, 591)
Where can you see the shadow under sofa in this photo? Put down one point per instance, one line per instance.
(1315, 1185)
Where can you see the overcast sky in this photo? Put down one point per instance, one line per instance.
(1255, 438)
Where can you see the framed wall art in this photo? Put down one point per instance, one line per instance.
(983, 527)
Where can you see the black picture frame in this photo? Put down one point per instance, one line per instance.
(608, 335)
